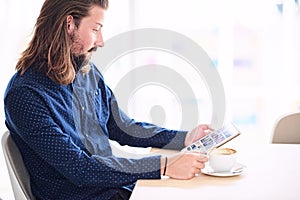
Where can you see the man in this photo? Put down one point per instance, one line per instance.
(61, 114)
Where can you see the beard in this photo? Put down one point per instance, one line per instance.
(79, 61)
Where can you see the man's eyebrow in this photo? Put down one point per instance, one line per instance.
(101, 25)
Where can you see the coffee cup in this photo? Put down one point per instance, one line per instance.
(222, 159)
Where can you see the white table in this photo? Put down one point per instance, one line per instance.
(272, 172)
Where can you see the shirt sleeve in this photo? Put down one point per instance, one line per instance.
(29, 115)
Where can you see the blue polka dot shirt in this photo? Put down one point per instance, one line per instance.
(63, 134)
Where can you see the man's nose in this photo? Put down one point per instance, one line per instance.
(100, 42)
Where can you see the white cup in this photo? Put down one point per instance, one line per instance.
(222, 159)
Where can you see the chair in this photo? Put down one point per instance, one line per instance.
(287, 129)
(18, 173)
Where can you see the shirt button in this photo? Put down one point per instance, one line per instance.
(96, 93)
(82, 108)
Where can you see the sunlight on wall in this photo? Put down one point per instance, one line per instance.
(253, 44)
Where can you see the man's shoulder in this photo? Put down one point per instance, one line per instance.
(34, 81)
(30, 76)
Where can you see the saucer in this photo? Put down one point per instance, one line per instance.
(238, 169)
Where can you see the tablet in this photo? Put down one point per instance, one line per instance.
(214, 139)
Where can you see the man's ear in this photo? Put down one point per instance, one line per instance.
(70, 23)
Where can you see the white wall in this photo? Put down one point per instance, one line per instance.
(17, 19)
(230, 31)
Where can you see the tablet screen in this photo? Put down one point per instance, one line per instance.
(214, 139)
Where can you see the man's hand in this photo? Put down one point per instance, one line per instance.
(197, 133)
(184, 165)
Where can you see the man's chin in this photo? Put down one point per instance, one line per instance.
(80, 61)
(88, 56)
(85, 62)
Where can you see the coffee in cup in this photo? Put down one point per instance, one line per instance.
(222, 159)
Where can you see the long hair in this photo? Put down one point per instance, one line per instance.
(50, 45)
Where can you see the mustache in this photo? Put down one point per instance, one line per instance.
(93, 49)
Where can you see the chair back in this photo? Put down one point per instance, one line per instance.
(18, 173)
(287, 129)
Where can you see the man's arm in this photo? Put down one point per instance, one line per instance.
(29, 116)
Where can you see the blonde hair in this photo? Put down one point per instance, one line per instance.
(50, 47)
